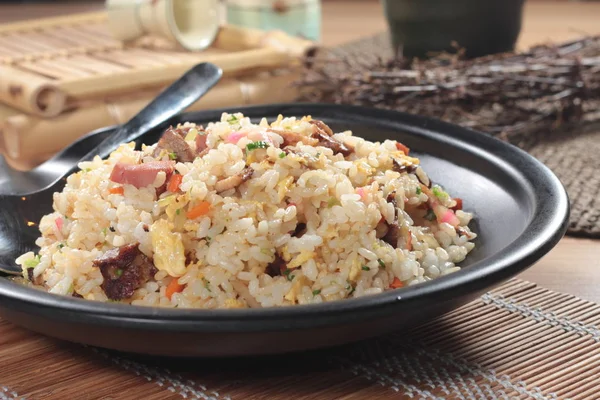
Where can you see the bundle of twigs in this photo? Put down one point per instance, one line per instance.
(504, 94)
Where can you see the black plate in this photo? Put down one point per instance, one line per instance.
(521, 212)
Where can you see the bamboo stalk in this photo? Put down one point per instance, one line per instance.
(28, 139)
(30, 93)
(234, 38)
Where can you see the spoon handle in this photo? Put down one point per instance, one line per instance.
(181, 94)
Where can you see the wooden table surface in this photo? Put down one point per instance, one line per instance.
(573, 266)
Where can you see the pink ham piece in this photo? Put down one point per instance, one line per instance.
(235, 137)
(140, 175)
(200, 142)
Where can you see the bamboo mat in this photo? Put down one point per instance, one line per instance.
(519, 341)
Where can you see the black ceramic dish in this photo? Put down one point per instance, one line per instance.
(521, 213)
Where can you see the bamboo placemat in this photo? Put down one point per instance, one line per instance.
(47, 64)
(519, 341)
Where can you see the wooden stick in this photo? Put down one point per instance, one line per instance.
(234, 38)
(30, 93)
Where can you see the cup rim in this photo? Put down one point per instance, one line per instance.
(209, 33)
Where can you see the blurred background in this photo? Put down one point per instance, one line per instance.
(62, 78)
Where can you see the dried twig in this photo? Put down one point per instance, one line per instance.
(503, 94)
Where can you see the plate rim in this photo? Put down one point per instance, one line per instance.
(541, 238)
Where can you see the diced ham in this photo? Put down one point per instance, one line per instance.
(233, 137)
(140, 175)
(443, 214)
(201, 145)
(173, 142)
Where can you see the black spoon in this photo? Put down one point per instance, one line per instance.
(23, 193)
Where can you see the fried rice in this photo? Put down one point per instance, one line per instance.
(245, 215)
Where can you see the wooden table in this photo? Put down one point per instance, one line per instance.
(573, 266)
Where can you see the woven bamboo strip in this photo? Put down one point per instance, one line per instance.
(41, 71)
(135, 79)
(94, 65)
(14, 47)
(84, 18)
(64, 68)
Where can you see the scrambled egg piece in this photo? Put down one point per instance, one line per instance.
(285, 254)
(300, 259)
(354, 271)
(296, 288)
(169, 253)
(284, 187)
(364, 167)
(177, 205)
(234, 303)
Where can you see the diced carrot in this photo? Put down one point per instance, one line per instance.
(173, 287)
(174, 183)
(396, 283)
(402, 148)
(459, 204)
(116, 190)
(409, 242)
(199, 210)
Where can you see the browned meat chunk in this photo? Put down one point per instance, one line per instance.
(293, 138)
(333, 144)
(393, 234)
(173, 141)
(391, 198)
(183, 130)
(124, 270)
(277, 267)
(322, 126)
(234, 181)
(403, 168)
(300, 230)
(33, 279)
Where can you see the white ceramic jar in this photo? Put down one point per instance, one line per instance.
(192, 23)
(300, 18)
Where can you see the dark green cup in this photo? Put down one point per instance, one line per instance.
(482, 27)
